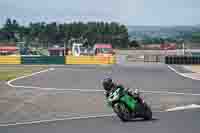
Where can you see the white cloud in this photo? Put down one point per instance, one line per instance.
(125, 11)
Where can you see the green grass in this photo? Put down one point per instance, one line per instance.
(9, 72)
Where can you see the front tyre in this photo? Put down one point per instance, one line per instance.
(148, 113)
(122, 111)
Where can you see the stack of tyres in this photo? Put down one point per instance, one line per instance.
(181, 60)
(195, 60)
(198, 60)
(187, 60)
(166, 60)
(171, 60)
(190, 60)
(175, 60)
(184, 60)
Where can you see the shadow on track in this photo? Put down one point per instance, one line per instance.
(140, 120)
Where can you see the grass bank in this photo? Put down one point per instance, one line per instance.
(11, 72)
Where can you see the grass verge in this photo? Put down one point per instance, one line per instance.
(10, 72)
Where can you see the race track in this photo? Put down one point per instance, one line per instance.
(174, 122)
(152, 77)
(77, 91)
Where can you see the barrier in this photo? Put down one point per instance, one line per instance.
(151, 58)
(182, 60)
(112, 60)
(10, 60)
(43, 60)
(90, 60)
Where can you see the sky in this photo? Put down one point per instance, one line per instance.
(128, 12)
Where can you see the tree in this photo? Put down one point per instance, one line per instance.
(196, 37)
(9, 30)
(47, 34)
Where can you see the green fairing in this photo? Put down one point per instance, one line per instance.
(129, 101)
(109, 103)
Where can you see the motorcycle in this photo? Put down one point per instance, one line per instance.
(127, 107)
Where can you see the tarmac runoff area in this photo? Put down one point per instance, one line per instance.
(68, 93)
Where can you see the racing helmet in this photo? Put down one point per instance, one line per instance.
(107, 84)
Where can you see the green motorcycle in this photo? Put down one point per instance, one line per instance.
(127, 107)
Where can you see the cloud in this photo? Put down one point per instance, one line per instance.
(125, 11)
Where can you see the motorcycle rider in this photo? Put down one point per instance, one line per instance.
(109, 86)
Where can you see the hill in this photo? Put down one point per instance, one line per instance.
(141, 32)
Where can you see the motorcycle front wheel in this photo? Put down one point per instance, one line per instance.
(122, 112)
(148, 113)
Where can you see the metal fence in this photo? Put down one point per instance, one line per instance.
(151, 56)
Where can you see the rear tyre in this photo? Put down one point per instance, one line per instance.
(122, 112)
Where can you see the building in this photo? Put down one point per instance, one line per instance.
(152, 46)
(168, 46)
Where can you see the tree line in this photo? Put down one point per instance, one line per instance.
(48, 34)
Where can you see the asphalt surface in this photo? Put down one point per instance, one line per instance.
(41, 104)
(149, 77)
(173, 122)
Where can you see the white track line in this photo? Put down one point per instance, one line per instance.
(192, 106)
(43, 71)
(171, 93)
(181, 74)
(53, 120)
(58, 89)
(64, 119)
(78, 69)
(84, 90)
(63, 90)
(22, 77)
(81, 90)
